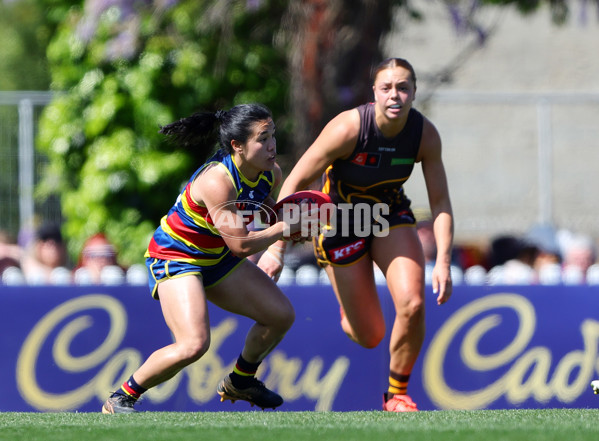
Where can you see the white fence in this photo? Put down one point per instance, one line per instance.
(19, 162)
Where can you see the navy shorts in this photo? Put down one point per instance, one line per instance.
(161, 270)
(347, 247)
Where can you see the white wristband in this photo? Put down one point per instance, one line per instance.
(275, 257)
(281, 250)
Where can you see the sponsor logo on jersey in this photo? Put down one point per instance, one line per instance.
(367, 159)
(402, 161)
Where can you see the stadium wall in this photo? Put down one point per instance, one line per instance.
(66, 348)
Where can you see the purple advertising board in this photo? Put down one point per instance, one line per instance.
(66, 348)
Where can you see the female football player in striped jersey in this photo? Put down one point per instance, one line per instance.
(198, 254)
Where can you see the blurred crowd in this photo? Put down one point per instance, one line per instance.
(542, 256)
(40, 258)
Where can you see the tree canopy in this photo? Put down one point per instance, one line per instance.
(127, 70)
(121, 69)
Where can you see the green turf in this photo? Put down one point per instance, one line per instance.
(483, 425)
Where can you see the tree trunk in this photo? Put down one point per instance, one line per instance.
(334, 45)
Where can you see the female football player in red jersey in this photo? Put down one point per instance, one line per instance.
(198, 254)
(365, 155)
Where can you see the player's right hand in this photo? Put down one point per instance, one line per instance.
(303, 225)
(271, 262)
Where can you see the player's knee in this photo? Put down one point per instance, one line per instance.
(193, 349)
(415, 309)
(285, 318)
(280, 320)
(368, 344)
(372, 340)
(412, 313)
(372, 337)
(369, 336)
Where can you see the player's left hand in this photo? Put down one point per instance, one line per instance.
(442, 285)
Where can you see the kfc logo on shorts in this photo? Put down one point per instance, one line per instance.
(346, 251)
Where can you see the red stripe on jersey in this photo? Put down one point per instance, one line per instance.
(156, 250)
(191, 235)
(202, 211)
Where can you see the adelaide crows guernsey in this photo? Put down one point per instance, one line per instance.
(378, 166)
(187, 233)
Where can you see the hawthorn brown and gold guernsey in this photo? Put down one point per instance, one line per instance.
(379, 166)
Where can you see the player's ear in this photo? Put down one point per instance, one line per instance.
(237, 146)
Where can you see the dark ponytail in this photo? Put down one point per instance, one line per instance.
(192, 132)
(198, 131)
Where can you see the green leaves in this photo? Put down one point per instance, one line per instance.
(134, 73)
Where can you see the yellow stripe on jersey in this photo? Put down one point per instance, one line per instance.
(203, 262)
(361, 192)
(326, 188)
(197, 217)
(168, 230)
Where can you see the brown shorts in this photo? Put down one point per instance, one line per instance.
(347, 245)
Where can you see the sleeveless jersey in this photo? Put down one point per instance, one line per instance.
(187, 233)
(378, 166)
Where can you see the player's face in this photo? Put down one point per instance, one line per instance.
(394, 91)
(260, 150)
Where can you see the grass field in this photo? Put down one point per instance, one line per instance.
(483, 425)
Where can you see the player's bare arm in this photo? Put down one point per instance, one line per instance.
(337, 140)
(440, 203)
(215, 190)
